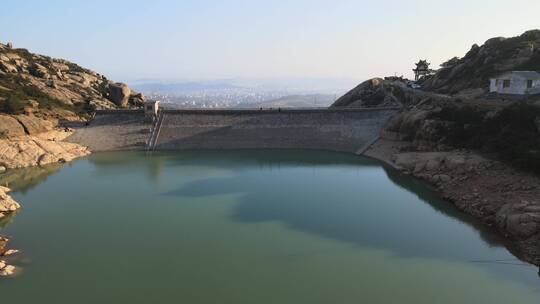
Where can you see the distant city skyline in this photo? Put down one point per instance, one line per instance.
(205, 40)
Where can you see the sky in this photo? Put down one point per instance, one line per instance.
(204, 40)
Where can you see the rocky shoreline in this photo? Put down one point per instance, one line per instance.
(28, 151)
(498, 195)
(38, 150)
(7, 205)
(38, 95)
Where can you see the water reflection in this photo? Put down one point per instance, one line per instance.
(369, 213)
(412, 185)
(6, 220)
(23, 180)
(274, 204)
(307, 209)
(358, 208)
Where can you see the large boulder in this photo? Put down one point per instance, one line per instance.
(39, 70)
(8, 68)
(10, 127)
(374, 92)
(519, 220)
(39, 150)
(136, 99)
(119, 94)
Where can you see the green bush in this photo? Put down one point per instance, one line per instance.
(512, 134)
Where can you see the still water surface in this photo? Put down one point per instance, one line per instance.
(249, 227)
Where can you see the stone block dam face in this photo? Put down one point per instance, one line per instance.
(346, 130)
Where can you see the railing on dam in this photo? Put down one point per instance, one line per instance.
(273, 110)
(154, 133)
(249, 110)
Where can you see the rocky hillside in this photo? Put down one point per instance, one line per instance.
(56, 89)
(436, 122)
(378, 92)
(497, 55)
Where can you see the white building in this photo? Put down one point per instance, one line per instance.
(151, 108)
(516, 82)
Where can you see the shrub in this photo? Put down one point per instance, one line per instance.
(512, 134)
(13, 105)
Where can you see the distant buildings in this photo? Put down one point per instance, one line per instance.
(516, 83)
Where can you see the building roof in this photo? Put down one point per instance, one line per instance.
(521, 74)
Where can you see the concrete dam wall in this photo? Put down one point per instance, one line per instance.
(114, 130)
(328, 129)
(345, 130)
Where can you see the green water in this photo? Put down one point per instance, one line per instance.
(249, 227)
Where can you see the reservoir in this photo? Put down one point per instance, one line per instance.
(248, 227)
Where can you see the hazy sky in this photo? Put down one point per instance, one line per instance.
(202, 39)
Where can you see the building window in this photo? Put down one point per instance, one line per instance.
(529, 84)
(506, 83)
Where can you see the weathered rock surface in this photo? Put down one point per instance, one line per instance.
(3, 245)
(119, 94)
(11, 252)
(40, 150)
(10, 127)
(520, 220)
(378, 92)
(374, 92)
(33, 125)
(7, 270)
(99, 104)
(7, 204)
